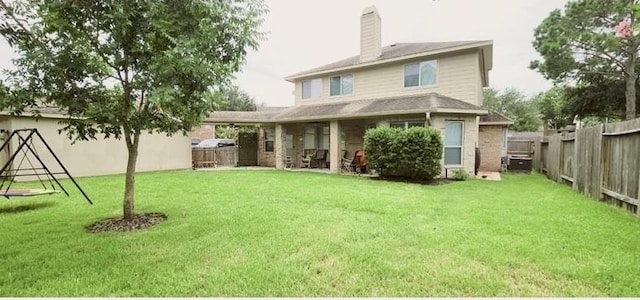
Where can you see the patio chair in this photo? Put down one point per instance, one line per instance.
(288, 162)
(306, 161)
(320, 158)
(347, 165)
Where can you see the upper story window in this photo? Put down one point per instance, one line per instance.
(312, 88)
(341, 85)
(423, 73)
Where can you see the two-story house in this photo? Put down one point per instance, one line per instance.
(400, 85)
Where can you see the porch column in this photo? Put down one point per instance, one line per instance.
(334, 146)
(279, 146)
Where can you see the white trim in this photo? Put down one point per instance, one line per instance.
(496, 123)
(461, 143)
(348, 117)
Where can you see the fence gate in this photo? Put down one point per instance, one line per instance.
(248, 149)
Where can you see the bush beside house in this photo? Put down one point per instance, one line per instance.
(414, 153)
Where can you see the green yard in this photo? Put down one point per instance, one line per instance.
(278, 233)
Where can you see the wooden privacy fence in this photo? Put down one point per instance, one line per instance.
(520, 147)
(602, 162)
(214, 157)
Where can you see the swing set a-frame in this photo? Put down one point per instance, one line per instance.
(26, 148)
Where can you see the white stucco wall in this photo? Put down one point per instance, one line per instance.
(103, 156)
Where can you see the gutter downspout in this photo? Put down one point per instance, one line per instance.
(428, 116)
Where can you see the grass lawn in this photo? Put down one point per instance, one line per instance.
(279, 233)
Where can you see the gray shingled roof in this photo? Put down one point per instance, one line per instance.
(389, 52)
(495, 117)
(430, 102)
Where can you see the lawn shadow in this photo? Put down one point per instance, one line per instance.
(25, 207)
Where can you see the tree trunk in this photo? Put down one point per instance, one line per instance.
(630, 94)
(130, 178)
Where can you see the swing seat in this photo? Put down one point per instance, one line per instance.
(26, 192)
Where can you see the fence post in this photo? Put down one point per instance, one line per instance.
(560, 158)
(574, 161)
(603, 161)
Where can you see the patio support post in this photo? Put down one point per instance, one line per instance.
(334, 146)
(279, 147)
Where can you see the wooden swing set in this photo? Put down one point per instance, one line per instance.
(41, 171)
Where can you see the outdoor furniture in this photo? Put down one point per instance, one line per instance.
(347, 165)
(288, 162)
(306, 161)
(320, 157)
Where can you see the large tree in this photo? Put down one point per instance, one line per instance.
(123, 67)
(515, 105)
(591, 37)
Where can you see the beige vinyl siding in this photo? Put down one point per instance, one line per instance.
(458, 77)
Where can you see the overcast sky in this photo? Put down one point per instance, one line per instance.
(304, 34)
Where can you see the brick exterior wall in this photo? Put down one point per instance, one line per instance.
(490, 143)
(205, 131)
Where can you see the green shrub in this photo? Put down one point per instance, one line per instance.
(414, 153)
(460, 175)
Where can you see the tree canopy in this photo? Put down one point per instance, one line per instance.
(233, 99)
(515, 105)
(552, 106)
(579, 46)
(122, 67)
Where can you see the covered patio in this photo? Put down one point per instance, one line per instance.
(338, 128)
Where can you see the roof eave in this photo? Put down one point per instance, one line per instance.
(382, 114)
(225, 121)
(496, 123)
(480, 44)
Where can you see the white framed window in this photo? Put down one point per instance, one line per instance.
(423, 73)
(406, 124)
(269, 139)
(341, 85)
(312, 88)
(504, 138)
(453, 140)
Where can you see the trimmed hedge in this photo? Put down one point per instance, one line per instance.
(413, 153)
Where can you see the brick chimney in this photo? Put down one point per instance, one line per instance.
(370, 34)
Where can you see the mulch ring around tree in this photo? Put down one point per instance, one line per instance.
(139, 221)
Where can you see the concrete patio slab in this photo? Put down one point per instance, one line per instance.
(489, 175)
